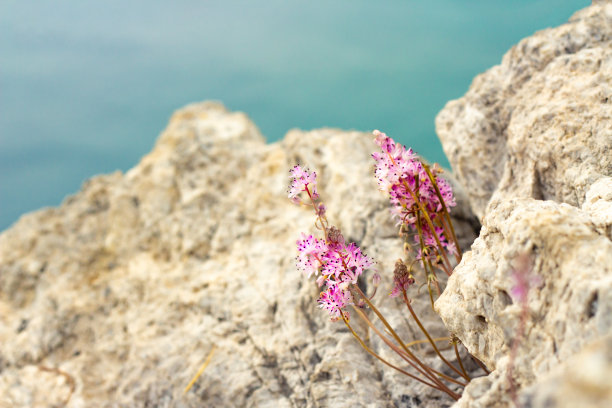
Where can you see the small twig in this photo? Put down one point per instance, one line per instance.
(68, 377)
(200, 371)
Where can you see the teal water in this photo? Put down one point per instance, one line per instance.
(86, 87)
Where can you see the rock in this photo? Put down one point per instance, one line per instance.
(539, 124)
(531, 143)
(569, 302)
(583, 381)
(117, 297)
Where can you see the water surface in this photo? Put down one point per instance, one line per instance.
(86, 87)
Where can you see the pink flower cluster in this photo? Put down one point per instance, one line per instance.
(302, 179)
(401, 174)
(335, 263)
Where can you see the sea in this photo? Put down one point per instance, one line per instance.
(87, 86)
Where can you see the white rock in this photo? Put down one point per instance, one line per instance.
(129, 284)
(531, 141)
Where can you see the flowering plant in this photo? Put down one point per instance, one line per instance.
(420, 202)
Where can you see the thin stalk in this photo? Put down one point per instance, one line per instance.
(433, 344)
(393, 333)
(460, 362)
(373, 353)
(322, 220)
(446, 213)
(445, 223)
(431, 226)
(424, 257)
(412, 343)
(481, 364)
(403, 354)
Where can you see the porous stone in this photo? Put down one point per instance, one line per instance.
(117, 297)
(583, 381)
(569, 304)
(539, 124)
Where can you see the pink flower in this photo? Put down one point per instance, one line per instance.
(340, 265)
(311, 251)
(303, 181)
(524, 278)
(376, 279)
(345, 263)
(356, 263)
(402, 175)
(334, 299)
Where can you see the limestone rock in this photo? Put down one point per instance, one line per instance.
(531, 143)
(116, 297)
(539, 124)
(569, 300)
(583, 381)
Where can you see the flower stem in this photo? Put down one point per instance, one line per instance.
(446, 214)
(410, 359)
(459, 361)
(403, 354)
(433, 343)
(393, 333)
(431, 226)
(373, 353)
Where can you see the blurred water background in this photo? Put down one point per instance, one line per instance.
(87, 86)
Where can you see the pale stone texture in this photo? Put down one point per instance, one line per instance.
(532, 143)
(569, 301)
(583, 381)
(129, 284)
(539, 124)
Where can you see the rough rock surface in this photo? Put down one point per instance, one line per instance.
(583, 381)
(569, 302)
(539, 124)
(532, 143)
(121, 293)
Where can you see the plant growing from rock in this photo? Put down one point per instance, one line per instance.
(420, 202)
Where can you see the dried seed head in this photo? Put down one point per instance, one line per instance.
(335, 236)
(400, 270)
(402, 278)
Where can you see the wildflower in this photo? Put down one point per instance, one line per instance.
(340, 264)
(400, 172)
(356, 263)
(402, 279)
(430, 240)
(524, 279)
(303, 181)
(334, 299)
(311, 250)
(405, 178)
